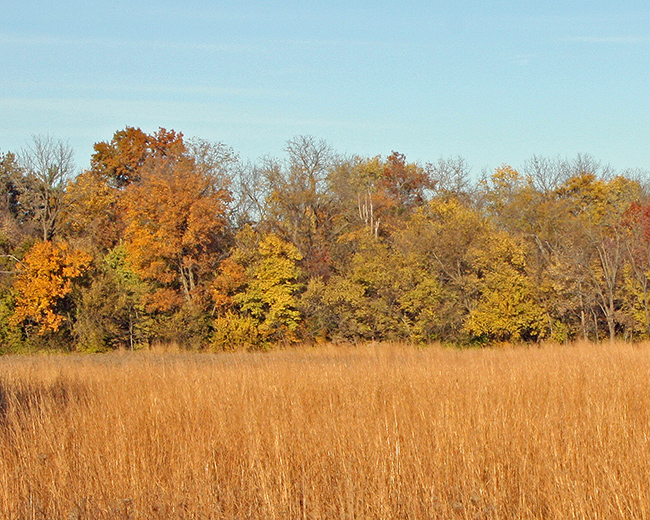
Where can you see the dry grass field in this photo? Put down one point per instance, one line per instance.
(335, 432)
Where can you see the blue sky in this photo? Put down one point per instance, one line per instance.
(494, 81)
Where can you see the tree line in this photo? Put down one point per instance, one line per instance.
(168, 239)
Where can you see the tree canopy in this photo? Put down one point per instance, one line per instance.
(171, 239)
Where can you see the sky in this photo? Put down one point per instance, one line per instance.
(491, 81)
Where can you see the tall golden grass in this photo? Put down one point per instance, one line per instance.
(335, 432)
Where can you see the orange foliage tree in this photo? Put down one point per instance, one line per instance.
(45, 279)
(120, 160)
(175, 220)
(91, 209)
(90, 212)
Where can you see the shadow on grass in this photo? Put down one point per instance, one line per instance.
(21, 400)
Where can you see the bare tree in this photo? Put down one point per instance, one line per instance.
(250, 191)
(546, 174)
(216, 159)
(48, 164)
(451, 176)
(296, 190)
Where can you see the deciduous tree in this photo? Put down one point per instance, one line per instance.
(506, 308)
(45, 280)
(48, 165)
(120, 160)
(175, 218)
(111, 311)
(594, 251)
(270, 292)
(91, 212)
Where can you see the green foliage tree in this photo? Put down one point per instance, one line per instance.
(111, 312)
(255, 292)
(440, 238)
(636, 229)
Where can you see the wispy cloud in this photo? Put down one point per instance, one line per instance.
(65, 41)
(254, 46)
(607, 39)
(133, 90)
(336, 43)
(183, 112)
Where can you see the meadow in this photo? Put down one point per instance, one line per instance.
(371, 431)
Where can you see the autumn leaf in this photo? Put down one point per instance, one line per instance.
(45, 278)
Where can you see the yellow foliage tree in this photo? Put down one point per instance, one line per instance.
(270, 293)
(45, 278)
(506, 309)
(255, 292)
